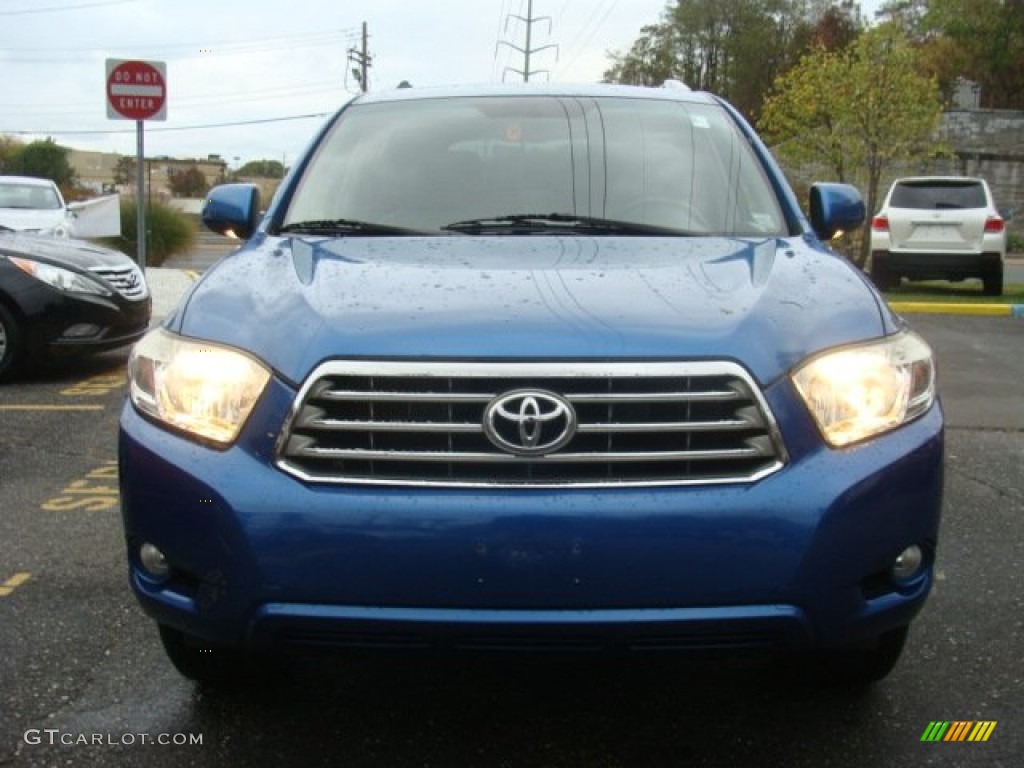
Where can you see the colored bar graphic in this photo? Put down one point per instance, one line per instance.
(959, 730)
(982, 730)
(935, 731)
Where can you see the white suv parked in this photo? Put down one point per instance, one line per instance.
(938, 228)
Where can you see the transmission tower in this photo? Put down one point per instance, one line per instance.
(527, 50)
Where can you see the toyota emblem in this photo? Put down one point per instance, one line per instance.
(529, 422)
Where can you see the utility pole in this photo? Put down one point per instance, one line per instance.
(363, 61)
(528, 50)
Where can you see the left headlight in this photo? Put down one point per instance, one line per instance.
(858, 392)
(62, 230)
(204, 389)
(60, 278)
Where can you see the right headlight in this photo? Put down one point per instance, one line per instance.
(58, 277)
(857, 392)
(206, 390)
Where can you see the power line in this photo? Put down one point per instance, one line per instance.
(170, 129)
(54, 8)
(199, 49)
(201, 101)
(590, 37)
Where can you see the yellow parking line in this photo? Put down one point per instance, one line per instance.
(1000, 310)
(13, 583)
(51, 407)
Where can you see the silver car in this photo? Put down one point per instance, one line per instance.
(34, 206)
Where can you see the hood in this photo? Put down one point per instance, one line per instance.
(758, 302)
(32, 219)
(61, 251)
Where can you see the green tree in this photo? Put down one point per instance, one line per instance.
(980, 40)
(857, 111)
(44, 159)
(188, 183)
(838, 26)
(735, 48)
(264, 169)
(650, 61)
(124, 171)
(10, 147)
(909, 14)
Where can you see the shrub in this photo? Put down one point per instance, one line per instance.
(170, 232)
(1014, 243)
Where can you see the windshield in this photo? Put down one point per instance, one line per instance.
(425, 164)
(28, 196)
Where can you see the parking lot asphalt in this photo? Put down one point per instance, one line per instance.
(167, 286)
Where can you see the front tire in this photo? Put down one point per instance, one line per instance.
(10, 344)
(859, 667)
(214, 665)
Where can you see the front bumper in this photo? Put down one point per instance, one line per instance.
(799, 558)
(51, 317)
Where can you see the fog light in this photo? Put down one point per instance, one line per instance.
(82, 331)
(153, 561)
(908, 564)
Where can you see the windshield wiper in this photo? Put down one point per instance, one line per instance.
(347, 227)
(542, 223)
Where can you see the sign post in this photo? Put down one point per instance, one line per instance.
(137, 90)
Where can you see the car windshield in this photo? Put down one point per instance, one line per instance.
(938, 195)
(28, 196)
(429, 163)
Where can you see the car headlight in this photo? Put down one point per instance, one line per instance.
(857, 392)
(57, 230)
(59, 278)
(204, 389)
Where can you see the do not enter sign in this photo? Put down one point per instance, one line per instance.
(136, 90)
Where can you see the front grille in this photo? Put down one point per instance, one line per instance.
(128, 281)
(636, 424)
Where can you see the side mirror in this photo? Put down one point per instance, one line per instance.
(835, 208)
(233, 210)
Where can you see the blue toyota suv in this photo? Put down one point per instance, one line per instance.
(533, 367)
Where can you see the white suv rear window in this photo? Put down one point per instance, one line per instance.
(934, 196)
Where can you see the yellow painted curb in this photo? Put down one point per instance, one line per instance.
(936, 307)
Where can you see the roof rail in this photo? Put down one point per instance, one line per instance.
(675, 85)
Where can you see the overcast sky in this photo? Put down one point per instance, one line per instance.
(243, 61)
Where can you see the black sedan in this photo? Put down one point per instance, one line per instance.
(61, 297)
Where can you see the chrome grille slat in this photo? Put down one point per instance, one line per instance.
(393, 426)
(497, 458)
(663, 397)
(128, 281)
(411, 397)
(676, 426)
(637, 424)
